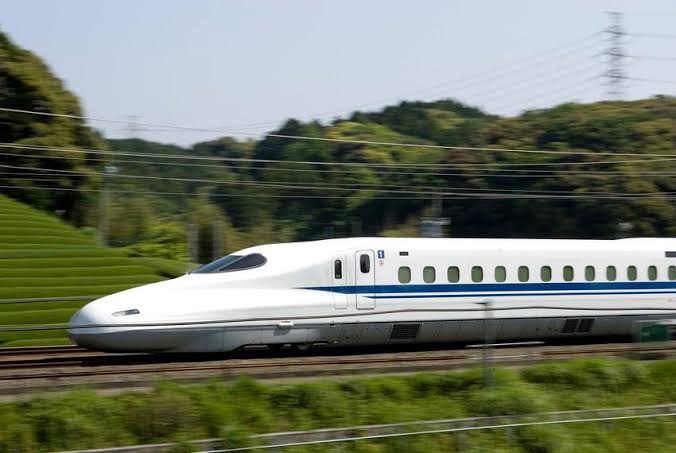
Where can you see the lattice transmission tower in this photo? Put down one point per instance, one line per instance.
(615, 75)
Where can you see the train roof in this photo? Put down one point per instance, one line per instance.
(468, 244)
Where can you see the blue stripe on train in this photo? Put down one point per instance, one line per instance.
(526, 288)
(505, 294)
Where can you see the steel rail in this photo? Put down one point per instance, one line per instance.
(220, 366)
(39, 350)
(307, 363)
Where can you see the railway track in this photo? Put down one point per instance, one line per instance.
(39, 350)
(53, 369)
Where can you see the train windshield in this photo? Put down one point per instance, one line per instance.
(232, 263)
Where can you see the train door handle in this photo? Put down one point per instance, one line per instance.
(285, 324)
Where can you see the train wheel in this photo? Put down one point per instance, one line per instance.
(302, 347)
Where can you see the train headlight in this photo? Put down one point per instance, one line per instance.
(132, 311)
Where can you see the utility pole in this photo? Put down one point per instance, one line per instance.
(615, 75)
(109, 169)
(132, 128)
(433, 226)
(216, 239)
(489, 339)
(192, 234)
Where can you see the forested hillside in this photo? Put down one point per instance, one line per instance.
(26, 83)
(579, 198)
(605, 172)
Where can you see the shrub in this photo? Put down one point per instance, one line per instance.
(507, 400)
(608, 374)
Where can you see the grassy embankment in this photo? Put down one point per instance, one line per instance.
(41, 256)
(173, 412)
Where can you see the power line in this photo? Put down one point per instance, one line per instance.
(650, 57)
(652, 35)
(640, 79)
(445, 196)
(365, 187)
(343, 164)
(493, 73)
(566, 89)
(480, 168)
(541, 78)
(368, 142)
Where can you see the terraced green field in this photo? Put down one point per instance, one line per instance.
(42, 257)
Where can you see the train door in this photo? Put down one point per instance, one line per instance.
(365, 280)
(339, 282)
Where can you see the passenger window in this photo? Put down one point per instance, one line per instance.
(524, 274)
(453, 274)
(631, 273)
(652, 272)
(672, 272)
(568, 273)
(545, 273)
(500, 274)
(589, 273)
(429, 274)
(611, 273)
(338, 269)
(404, 274)
(365, 264)
(477, 274)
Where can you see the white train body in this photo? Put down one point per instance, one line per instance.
(386, 291)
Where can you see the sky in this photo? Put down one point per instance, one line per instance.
(242, 67)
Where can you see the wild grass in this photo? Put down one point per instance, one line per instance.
(174, 412)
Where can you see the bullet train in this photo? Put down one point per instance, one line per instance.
(366, 291)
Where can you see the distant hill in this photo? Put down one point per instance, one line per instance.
(41, 256)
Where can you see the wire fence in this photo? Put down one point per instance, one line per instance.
(283, 440)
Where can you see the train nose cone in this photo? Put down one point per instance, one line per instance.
(82, 327)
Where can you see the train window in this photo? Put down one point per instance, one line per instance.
(404, 274)
(524, 273)
(453, 274)
(589, 273)
(611, 273)
(631, 273)
(232, 263)
(672, 272)
(477, 274)
(500, 274)
(338, 269)
(429, 274)
(545, 273)
(568, 273)
(365, 263)
(652, 272)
